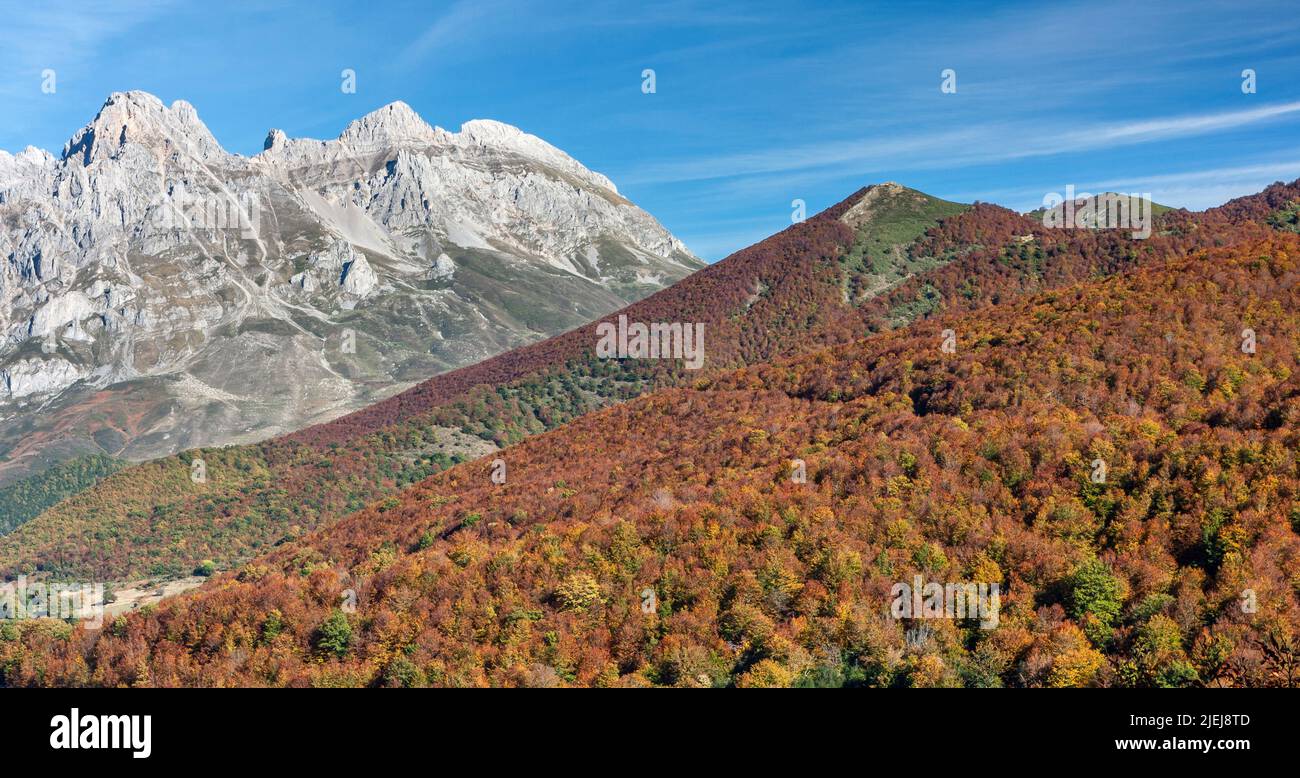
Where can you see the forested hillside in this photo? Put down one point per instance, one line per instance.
(900, 256)
(978, 462)
(26, 499)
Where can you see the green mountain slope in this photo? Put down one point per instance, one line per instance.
(26, 499)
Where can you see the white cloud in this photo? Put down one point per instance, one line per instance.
(954, 148)
(464, 23)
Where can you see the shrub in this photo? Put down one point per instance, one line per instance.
(272, 626)
(579, 592)
(334, 635)
(402, 672)
(1094, 600)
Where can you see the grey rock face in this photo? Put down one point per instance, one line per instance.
(158, 292)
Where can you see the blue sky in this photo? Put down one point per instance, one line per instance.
(756, 103)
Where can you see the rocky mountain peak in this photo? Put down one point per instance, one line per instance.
(882, 197)
(394, 123)
(275, 140)
(25, 163)
(139, 117)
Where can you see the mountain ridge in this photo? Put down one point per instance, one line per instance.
(393, 122)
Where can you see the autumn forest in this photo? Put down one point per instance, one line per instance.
(897, 389)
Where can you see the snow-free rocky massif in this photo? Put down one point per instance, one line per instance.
(160, 293)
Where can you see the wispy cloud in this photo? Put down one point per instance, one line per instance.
(1157, 129)
(955, 148)
(467, 25)
(463, 24)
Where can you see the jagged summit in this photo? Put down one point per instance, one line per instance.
(395, 122)
(31, 154)
(26, 162)
(141, 118)
(397, 125)
(275, 139)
